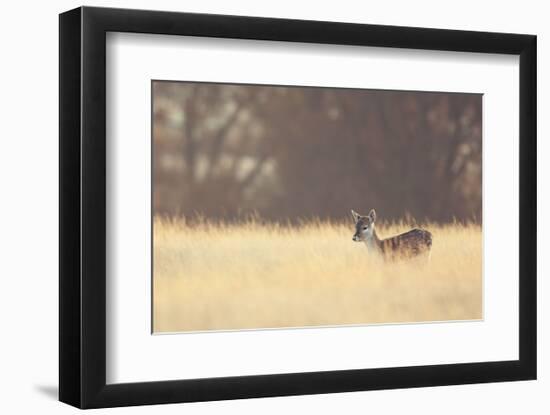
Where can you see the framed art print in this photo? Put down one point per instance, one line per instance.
(258, 207)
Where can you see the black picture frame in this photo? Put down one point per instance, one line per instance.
(82, 260)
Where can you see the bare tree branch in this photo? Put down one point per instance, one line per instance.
(253, 174)
(219, 139)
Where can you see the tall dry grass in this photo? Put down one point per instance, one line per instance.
(221, 277)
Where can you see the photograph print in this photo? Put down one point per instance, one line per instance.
(293, 207)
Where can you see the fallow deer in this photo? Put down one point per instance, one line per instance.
(408, 244)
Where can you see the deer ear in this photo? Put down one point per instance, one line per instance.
(372, 215)
(355, 215)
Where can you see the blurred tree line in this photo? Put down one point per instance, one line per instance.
(225, 151)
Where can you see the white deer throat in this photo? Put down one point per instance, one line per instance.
(371, 241)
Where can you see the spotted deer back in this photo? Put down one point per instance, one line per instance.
(413, 242)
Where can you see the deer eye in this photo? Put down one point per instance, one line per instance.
(364, 228)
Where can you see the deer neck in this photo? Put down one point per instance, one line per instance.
(372, 241)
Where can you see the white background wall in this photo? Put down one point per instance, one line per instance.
(28, 210)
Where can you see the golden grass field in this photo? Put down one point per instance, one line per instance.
(246, 276)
